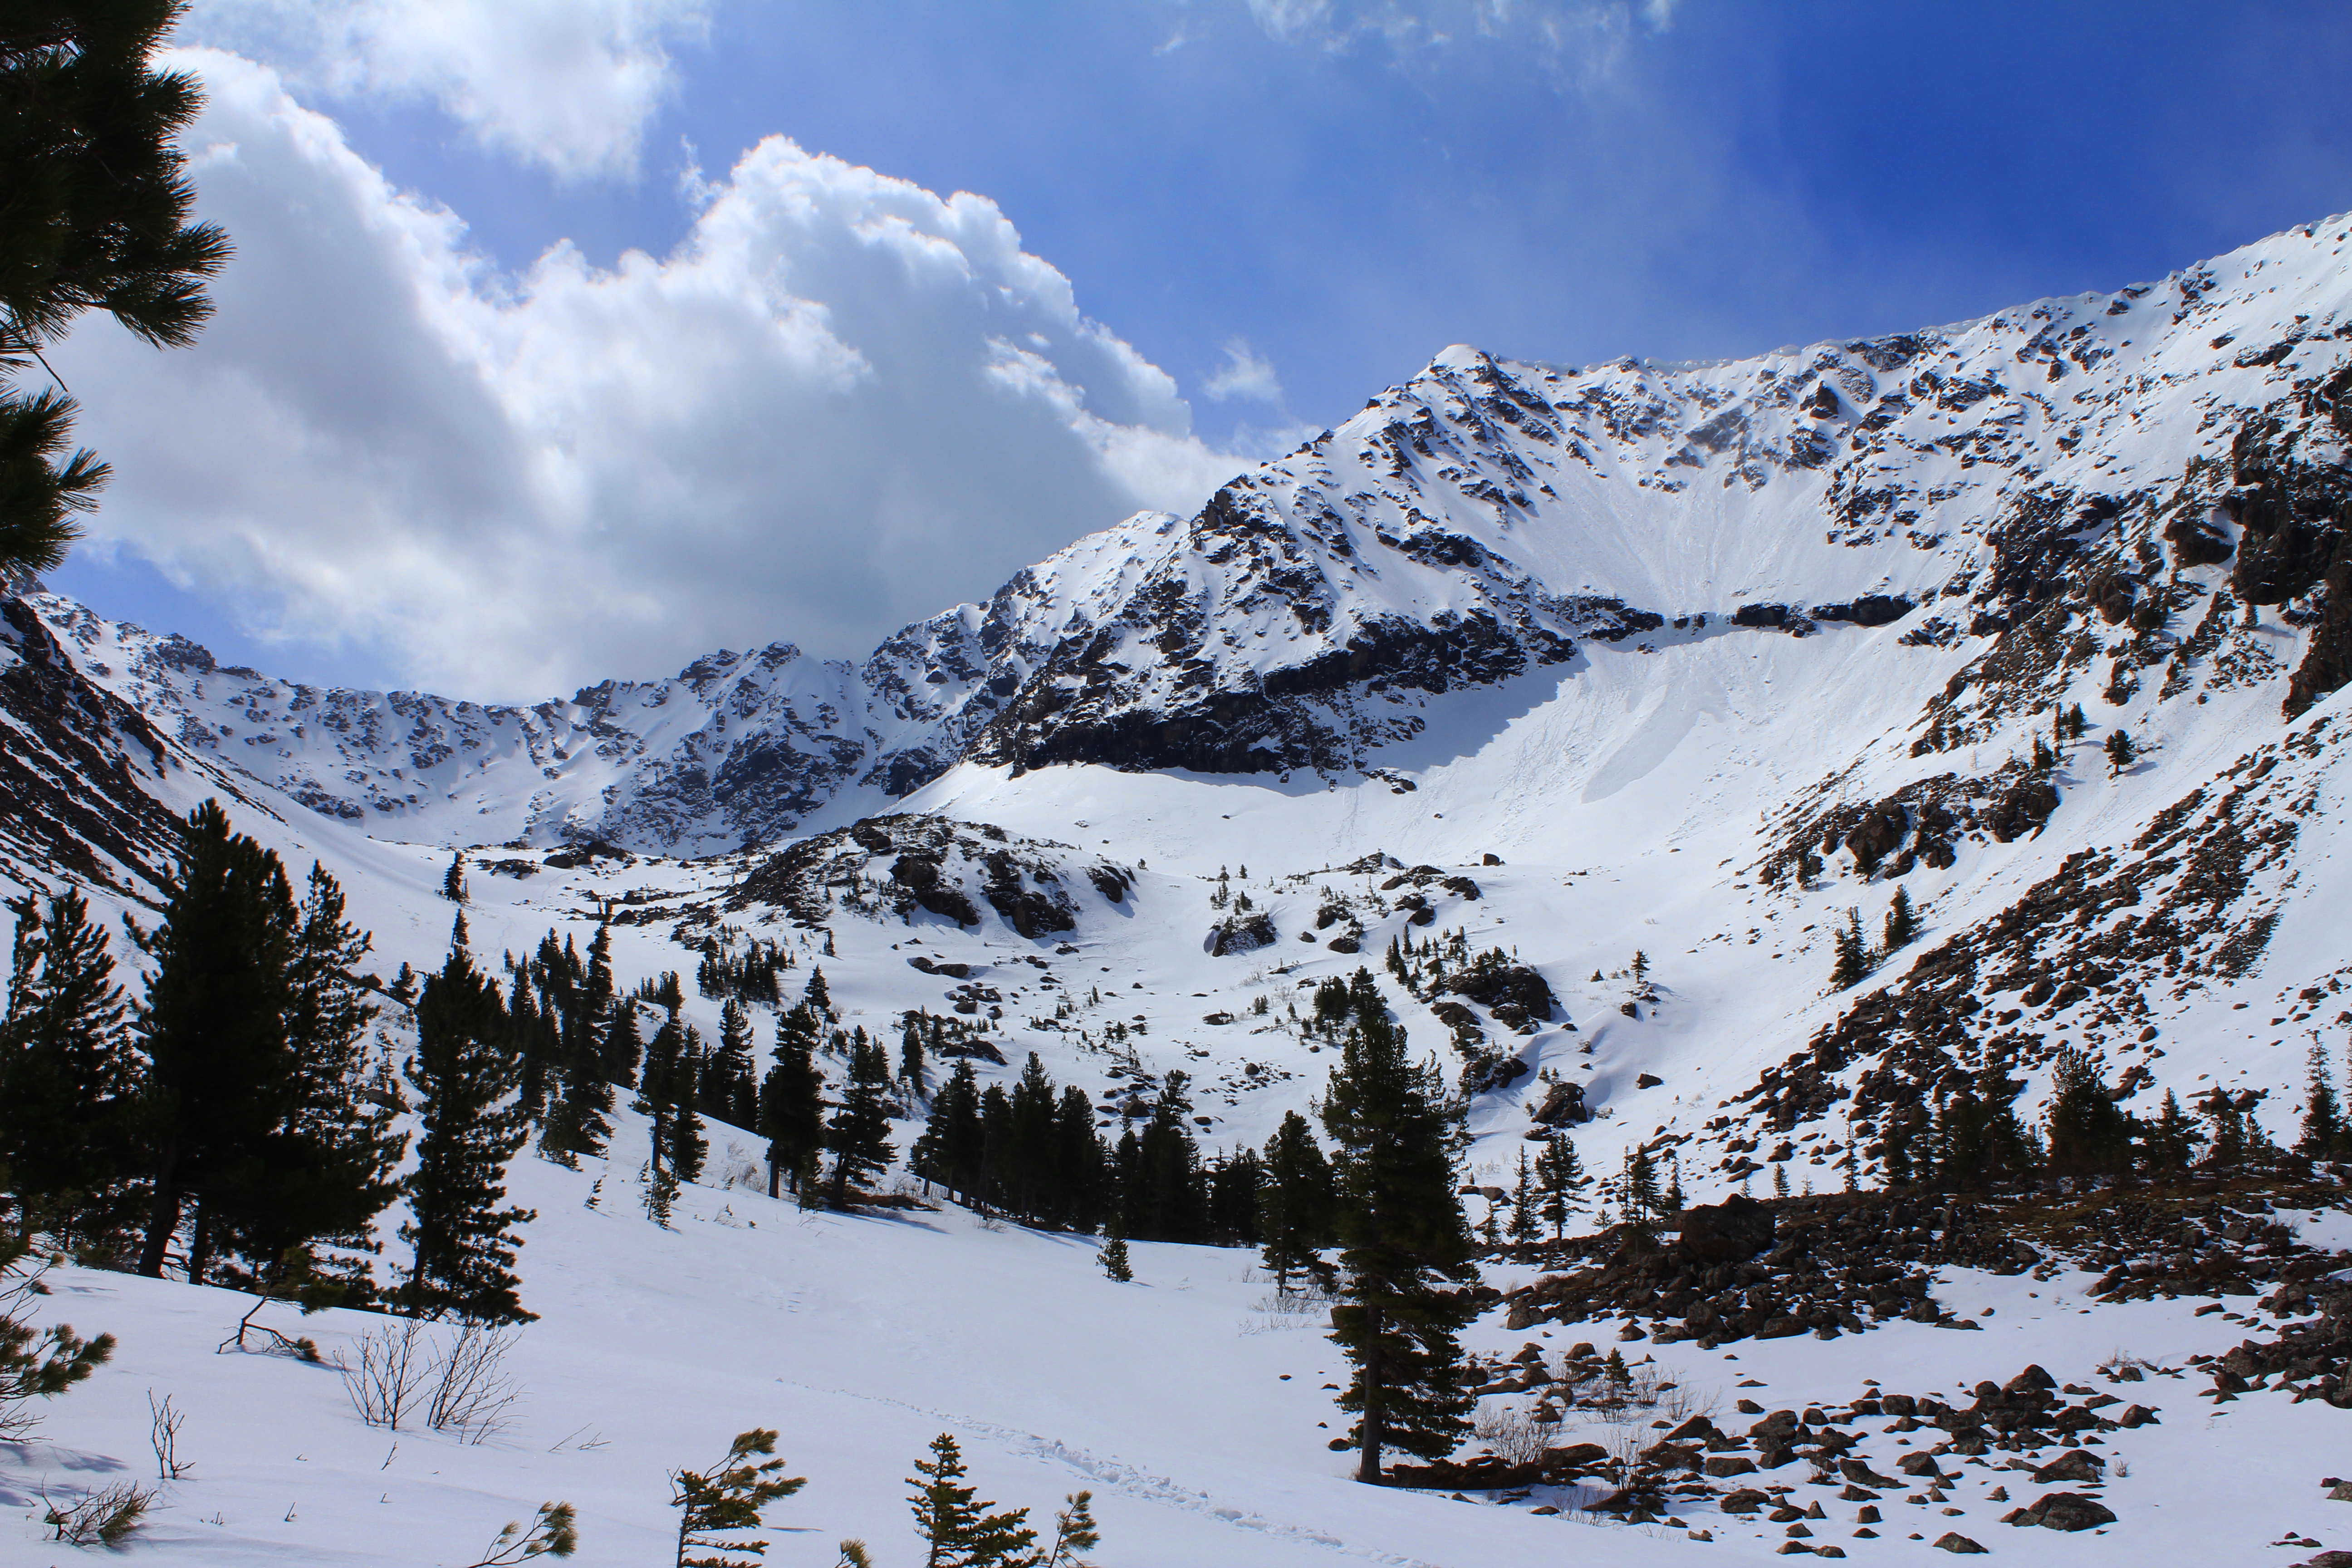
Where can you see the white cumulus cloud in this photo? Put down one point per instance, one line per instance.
(1246, 374)
(570, 85)
(840, 403)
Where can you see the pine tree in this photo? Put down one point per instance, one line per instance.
(452, 880)
(791, 1098)
(1523, 1204)
(660, 1192)
(35, 1363)
(2089, 1133)
(93, 181)
(622, 1051)
(2170, 1141)
(327, 1171)
(726, 1500)
(1294, 1203)
(818, 996)
(1902, 922)
(219, 1076)
(1113, 1259)
(952, 1146)
(911, 1062)
(1075, 1532)
(465, 1075)
(1637, 1187)
(1405, 1250)
(579, 1122)
(1779, 1181)
(1853, 963)
(2044, 759)
(727, 1090)
(1564, 1181)
(67, 1076)
(859, 1133)
(955, 1527)
(657, 1088)
(2120, 750)
(2323, 1123)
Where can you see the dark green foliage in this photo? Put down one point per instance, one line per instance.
(956, 1527)
(1162, 1195)
(818, 996)
(1233, 1182)
(1522, 1227)
(214, 1026)
(1902, 922)
(2322, 1120)
(621, 1050)
(792, 1099)
(465, 1073)
(68, 1077)
(93, 185)
(726, 1090)
(1294, 1203)
(753, 976)
(726, 1500)
(452, 880)
(326, 1171)
(2170, 1142)
(1979, 1141)
(858, 1136)
(35, 1363)
(1075, 1532)
(1114, 1260)
(555, 1533)
(910, 1061)
(579, 1122)
(1853, 964)
(952, 1147)
(2088, 1133)
(1405, 1249)
(1563, 1180)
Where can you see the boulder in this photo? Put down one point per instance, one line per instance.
(1953, 1541)
(1732, 1231)
(2069, 1511)
(2073, 1465)
(1862, 1475)
(1564, 1102)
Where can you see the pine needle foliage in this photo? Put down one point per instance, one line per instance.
(465, 1075)
(93, 181)
(957, 1529)
(1406, 1251)
(727, 1499)
(555, 1533)
(35, 1363)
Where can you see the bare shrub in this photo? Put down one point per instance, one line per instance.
(104, 1517)
(471, 1392)
(394, 1364)
(164, 1434)
(1511, 1436)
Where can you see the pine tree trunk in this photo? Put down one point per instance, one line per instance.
(775, 1179)
(200, 1244)
(164, 1216)
(1369, 1472)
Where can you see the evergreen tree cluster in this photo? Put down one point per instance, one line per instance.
(1033, 1152)
(756, 975)
(1969, 1137)
(238, 1121)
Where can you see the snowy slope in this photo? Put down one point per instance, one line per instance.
(1687, 661)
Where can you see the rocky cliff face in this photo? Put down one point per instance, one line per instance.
(2113, 478)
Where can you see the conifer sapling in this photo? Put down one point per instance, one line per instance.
(726, 1500)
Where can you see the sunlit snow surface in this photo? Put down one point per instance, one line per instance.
(1629, 792)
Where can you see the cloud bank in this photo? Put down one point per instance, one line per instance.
(841, 403)
(569, 85)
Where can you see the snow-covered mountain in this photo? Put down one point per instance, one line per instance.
(1641, 681)
(1487, 520)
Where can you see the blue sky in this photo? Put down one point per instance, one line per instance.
(1284, 206)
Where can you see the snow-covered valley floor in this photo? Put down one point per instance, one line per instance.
(1195, 1414)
